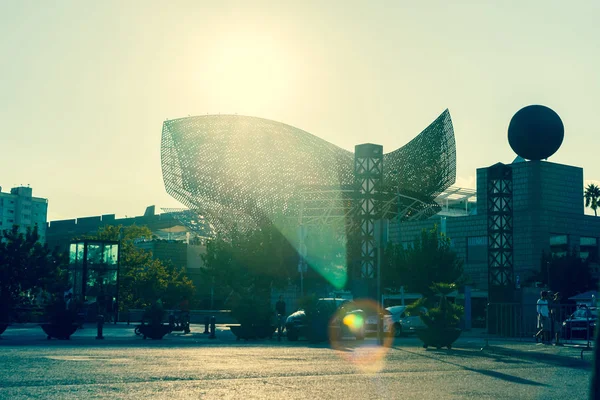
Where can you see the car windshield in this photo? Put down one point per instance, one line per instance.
(396, 309)
(583, 313)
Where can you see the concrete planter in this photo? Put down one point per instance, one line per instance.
(59, 331)
(154, 331)
(439, 337)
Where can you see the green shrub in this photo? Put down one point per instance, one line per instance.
(445, 314)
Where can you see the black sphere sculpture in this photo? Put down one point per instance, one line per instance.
(535, 132)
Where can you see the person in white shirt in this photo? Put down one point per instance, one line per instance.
(543, 312)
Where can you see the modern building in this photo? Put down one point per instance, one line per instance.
(180, 254)
(175, 225)
(176, 236)
(237, 171)
(547, 217)
(19, 207)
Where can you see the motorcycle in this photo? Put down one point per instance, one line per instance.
(180, 322)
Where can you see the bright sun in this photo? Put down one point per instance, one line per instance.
(249, 71)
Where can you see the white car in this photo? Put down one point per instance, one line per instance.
(371, 323)
(404, 321)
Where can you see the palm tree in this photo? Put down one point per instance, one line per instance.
(592, 197)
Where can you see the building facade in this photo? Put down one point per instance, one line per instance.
(174, 239)
(19, 207)
(547, 218)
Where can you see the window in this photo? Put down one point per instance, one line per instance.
(559, 245)
(477, 249)
(558, 240)
(408, 245)
(588, 248)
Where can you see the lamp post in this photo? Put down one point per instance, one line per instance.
(548, 273)
(398, 216)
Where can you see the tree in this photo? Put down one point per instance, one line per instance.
(143, 279)
(431, 260)
(27, 266)
(592, 197)
(244, 266)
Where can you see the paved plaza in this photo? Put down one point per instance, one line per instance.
(124, 366)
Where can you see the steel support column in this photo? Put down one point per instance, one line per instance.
(368, 174)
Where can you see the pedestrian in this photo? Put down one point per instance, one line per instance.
(101, 304)
(555, 316)
(108, 311)
(69, 302)
(281, 316)
(543, 313)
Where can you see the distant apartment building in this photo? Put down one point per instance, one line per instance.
(19, 207)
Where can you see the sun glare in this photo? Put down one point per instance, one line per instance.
(251, 71)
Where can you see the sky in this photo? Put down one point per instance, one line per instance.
(85, 86)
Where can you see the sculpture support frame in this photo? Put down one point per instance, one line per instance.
(237, 171)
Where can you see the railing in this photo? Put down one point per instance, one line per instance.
(196, 316)
(520, 321)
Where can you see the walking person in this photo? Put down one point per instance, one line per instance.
(555, 317)
(543, 313)
(109, 309)
(281, 316)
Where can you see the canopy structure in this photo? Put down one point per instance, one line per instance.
(238, 171)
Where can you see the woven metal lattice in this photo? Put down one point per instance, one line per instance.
(500, 225)
(238, 170)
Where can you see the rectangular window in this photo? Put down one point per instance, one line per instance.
(408, 245)
(588, 248)
(588, 241)
(559, 245)
(477, 247)
(558, 240)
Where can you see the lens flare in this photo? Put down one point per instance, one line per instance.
(347, 331)
(354, 322)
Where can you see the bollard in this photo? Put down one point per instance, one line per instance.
(100, 326)
(206, 323)
(212, 328)
(380, 328)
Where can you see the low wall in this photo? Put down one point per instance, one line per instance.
(196, 316)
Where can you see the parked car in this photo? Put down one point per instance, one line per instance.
(581, 324)
(405, 321)
(328, 319)
(371, 323)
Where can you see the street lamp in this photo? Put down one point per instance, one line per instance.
(548, 273)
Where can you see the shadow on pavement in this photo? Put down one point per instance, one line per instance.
(493, 374)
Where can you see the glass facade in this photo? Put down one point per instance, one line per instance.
(94, 270)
